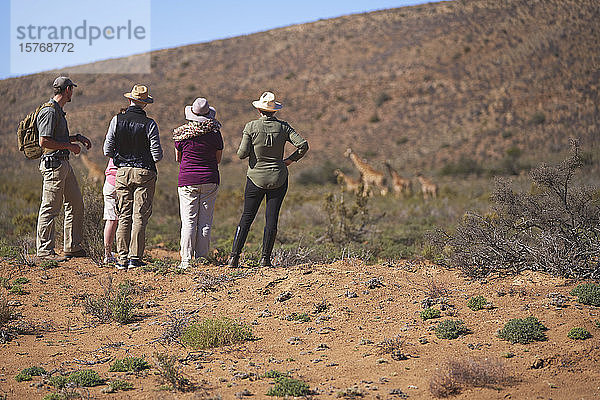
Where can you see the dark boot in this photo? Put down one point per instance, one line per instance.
(238, 244)
(268, 242)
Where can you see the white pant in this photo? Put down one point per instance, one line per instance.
(196, 207)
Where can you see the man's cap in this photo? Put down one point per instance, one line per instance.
(62, 82)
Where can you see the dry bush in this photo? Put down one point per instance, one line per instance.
(467, 372)
(554, 228)
(93, 223)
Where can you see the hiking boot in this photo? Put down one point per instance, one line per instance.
(269, 236)
(53, 257)
(75, 254)
(184, 265)
(135, 263)
(234, 261)
(121, 266)
(238, 244)
(109, 259)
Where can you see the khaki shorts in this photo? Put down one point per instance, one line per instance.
(110, 202)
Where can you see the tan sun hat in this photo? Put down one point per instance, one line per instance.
(139, 93)
(267, 102)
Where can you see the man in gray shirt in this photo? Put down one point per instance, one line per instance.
(59, 182)
(133, 142)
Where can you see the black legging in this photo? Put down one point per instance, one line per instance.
(253, 196)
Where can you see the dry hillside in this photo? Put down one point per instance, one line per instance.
(422, 86)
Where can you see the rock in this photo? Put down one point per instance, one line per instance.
(150, 304)
(374, 283)
(325, 330)
(243, 393)
(316, 360)
(398, 392)
(412, 387)
(351, 295)
(382, 361)
(265, 313)
(294, 340)
(364, 342)
(241, 375)
(321, 347)
(333, 364)
(399, 356)
(283, 296)
(423, 340)
(537, 363)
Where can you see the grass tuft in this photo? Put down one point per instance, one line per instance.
(578, 334)
(169, 372)
(430, 313)
(216, 332)
(285, 386)
(477, 303)
(129, 364)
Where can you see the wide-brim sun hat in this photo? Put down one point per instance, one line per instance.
(267, 102)
(140, 93)
(200, 110)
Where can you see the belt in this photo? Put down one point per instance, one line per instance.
(57, 157)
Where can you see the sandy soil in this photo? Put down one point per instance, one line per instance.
(350, 330)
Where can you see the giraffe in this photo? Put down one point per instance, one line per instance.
(370, 176)
(95, 173)
(428, 188)
(353, 185)
(399, 184)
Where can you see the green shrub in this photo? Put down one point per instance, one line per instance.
(20, 281)
(430, 313)
(578, 334)
(538, 118)
(112, 305)
(523, 330)
(54, 396)
(129, 364)
(274, 374)
(451, 329)
(18, 290)
(49, 264)
(587, 293)
(302, 317)
(21, 377)
(85, 378)
(285, 386)
(216, 332)
(477, 303)
(58, 381)
(34, 371)
(117, 385)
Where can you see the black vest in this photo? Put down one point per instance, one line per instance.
(131, 135)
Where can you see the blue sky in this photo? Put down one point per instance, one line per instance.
(175, 23)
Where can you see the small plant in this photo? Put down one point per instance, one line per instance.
(587, 293)
(54, 396)
(20, 281)
(58, 381)
(451, 329)
(430, 313)
(5, 283)
(129, 364)
(462, 373)
(34, 371)
(21, 377)
(117, 385)
(597, 324)
(538, 118)
(169, 372)
(112, 305)
(18, 290)
(48, 264)
(352, 392)
(285, 386)
(523, 330)
(85, 378)
(578, 334)
(302, 317)
(216, 332)
(272, 374)
(6, 312)
(477, 303)
(321, 307)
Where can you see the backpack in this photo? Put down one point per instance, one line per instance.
(28, 136)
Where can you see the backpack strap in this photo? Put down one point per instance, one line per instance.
(48, 104)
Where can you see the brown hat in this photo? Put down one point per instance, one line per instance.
(139, 93)
(63, 82)
(200, 110)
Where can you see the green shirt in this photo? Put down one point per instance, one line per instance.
(264, 141)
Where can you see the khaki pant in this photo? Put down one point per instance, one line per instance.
(135, 192)
(196, 207)
(59, 187)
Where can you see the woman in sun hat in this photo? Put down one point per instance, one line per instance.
(198, 149)
(263, 141)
